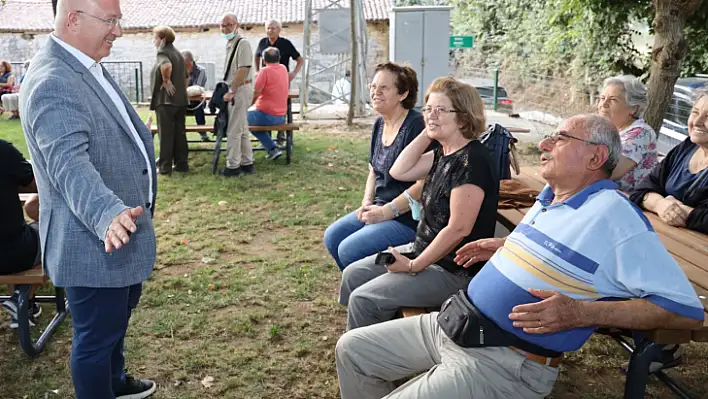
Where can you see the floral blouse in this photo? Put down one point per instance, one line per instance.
(639, 145)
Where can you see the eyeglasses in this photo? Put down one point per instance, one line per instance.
(112, 22)
(437, 110)
(228, 25)
(555, 136)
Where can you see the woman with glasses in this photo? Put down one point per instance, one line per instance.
(459, 200)
(383, 219)
(623, 101)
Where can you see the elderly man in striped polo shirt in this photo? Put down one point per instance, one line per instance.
(539, 295)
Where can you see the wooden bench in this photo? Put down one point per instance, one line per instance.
(23, 282)
(286, 144)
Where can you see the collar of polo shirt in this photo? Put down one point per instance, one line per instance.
(546, 196)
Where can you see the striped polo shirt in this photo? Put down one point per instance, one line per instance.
(597, 245)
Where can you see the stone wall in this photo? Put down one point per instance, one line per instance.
(207, 47)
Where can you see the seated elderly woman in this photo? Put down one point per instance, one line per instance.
(11, 101)
(677, 188)
(382, 220)
(7, 81)
(623, 101)
(459, 206)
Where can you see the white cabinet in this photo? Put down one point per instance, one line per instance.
(420, 36)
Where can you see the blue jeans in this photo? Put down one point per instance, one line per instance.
(100, 319)
(260, 118)
(349, 240)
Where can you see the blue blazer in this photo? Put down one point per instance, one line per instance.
(88, 169)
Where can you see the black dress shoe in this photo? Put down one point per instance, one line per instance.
(248, 169)
(231, 172)
(136, 389)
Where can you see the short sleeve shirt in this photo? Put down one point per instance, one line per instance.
(471, 164)
(597, 245)
(639, 145)
(18, 243)
(286, 48)
(242, 58)
(274, 84)
(382, 157)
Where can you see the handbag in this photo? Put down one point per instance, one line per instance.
(466, 326)
(502, 148)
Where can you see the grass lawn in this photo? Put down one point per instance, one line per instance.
(244, 292)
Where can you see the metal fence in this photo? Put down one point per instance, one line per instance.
(127, 74)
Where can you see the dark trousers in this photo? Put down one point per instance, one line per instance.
(198, 112)
(100, 319)
(173, 138)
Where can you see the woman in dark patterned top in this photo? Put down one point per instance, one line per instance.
(459, 206)
(383, 219)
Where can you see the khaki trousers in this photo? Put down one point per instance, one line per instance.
(370, 358)
(239, 151)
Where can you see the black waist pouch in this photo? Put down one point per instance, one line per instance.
(469, 328)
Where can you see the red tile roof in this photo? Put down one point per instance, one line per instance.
(36, 15)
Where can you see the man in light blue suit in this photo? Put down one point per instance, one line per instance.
(94, 166)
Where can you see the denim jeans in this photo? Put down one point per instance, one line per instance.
(199, 116)
(349, 240)
(260, 118)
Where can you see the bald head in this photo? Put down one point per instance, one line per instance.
(91, 26)
(229, 23)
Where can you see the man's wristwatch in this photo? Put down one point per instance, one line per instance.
(394, 209)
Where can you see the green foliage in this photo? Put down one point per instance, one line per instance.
(586, 40)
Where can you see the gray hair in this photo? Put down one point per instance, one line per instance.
(603, 132)
(188, 55)
(231, 15)
(700, 93)
(271, 55)
(274, 21)
(635, 93)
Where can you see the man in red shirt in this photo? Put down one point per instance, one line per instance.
(270, 95)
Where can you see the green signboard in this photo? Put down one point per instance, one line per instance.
(461, 41)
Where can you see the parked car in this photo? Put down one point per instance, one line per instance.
(485, 88)
(674, 129)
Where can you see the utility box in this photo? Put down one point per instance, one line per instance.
(420, 36)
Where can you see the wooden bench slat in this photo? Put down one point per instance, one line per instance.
(35, 275)
(410, 312)
(208, 128)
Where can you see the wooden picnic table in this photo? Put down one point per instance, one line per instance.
(688, 247)
(690, 250)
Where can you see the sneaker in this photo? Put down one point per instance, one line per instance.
(248, 169)
(136, 389)
(205, 138)
(231, 172)
(275, 154)
(12, 305)
(670, 357)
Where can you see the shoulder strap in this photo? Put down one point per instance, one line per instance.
(231, 59)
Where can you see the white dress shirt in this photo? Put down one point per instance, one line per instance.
(97, 71)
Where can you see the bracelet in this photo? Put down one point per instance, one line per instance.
(394, 209)
(410, 268)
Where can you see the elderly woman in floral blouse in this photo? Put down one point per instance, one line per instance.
(623, 101)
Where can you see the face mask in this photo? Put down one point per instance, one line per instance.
(416, 207)
(228, 36)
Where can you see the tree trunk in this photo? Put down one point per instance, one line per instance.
(669, 49)
(354, 70)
